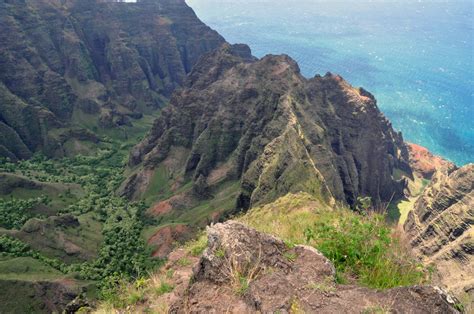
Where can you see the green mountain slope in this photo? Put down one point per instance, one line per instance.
(63, 62)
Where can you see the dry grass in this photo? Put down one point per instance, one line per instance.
(141, 296)
(290, 215)
(242, 273)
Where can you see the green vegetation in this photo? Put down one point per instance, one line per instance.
(290, 256)
(326, 286)
(11, 247)
(163, 288)
(398, 212)
(197, 247)
(114, 222)
(184, 261)
(15, 212)
(138, 294)
(159, 186)
(376, 310)
(362, 247)
(27, 269)
(243, 284)
(366, 249)
(220, 253)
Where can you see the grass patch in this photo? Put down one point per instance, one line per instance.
(27, 269)
(376, 310)
(363, 248)
(139, 296)
(290, 256)
(159, 186)
(163, 288)
(324, 287)
(197, 247)
(241, 273)
(220, 253)
(183, 261)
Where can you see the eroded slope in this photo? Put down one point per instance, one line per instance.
(441, 227)
(89, 64)
(263, 126)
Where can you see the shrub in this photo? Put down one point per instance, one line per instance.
(365, 248)
(163, 288)
(197, 247)
(15, 212)
(12, 246)
(362, 247)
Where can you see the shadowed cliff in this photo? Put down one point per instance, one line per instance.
(88, 63)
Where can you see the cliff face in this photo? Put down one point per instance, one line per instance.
(263, 123)
(423, 163)
(112, 60)
(441, 227)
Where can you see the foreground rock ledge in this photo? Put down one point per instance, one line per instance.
(245, 271)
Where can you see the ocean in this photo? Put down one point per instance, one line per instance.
(416, 57)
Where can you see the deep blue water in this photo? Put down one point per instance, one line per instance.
(416, 57)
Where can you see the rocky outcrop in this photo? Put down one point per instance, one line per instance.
(440, 227)
(165, 238)
(245, 271)
(262, 122)
(424, 163)
(114, 61)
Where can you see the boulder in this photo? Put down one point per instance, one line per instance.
(245, 271)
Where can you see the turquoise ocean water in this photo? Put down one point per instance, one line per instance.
(416, 57)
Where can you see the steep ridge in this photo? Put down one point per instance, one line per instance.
(262, 124)
(440, 228)
(89, 63)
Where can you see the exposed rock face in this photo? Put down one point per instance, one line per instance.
(262, 122)
(424, 163)
(440, 227)
(113, 60)
(279, 279)
(165, 238)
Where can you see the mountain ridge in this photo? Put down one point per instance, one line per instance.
(108, 62)
(239, 133)
(332, 121)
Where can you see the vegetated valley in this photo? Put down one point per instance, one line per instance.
(128, 128)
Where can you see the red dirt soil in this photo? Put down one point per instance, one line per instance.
(161, 208)
(163, 241)
(423, 162)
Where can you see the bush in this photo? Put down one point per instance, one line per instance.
(365, 248)
(12, 246)
(15, 212)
